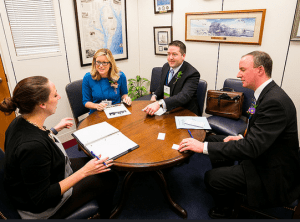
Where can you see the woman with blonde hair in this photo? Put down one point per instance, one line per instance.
(40, 179)
(105, 84)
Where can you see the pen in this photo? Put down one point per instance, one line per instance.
(190, 133)
(98, 158)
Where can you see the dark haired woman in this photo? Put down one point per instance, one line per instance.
(40, 179)
(104, 82)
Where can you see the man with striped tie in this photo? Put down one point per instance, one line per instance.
(178, 83)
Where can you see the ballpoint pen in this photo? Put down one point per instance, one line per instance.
(190, 133)
(98, 158)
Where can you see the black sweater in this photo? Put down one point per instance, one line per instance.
(34, 165)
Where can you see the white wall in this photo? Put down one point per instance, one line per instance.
(203, 55)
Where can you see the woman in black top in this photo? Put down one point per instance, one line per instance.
(39, 177)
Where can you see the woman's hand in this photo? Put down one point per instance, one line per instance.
(95, 166)
(64, 123)
(101, 106)
(126, 99)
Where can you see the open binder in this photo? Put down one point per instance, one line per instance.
(104, 139)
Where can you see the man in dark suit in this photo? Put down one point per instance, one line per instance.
(178, 84)
(269, 166)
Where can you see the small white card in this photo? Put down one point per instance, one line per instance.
(175, 146)
(161, 136)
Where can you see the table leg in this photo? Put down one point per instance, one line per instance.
(159, 176)
(124, 192)
(163, 184)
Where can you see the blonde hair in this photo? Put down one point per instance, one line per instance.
(113, 73)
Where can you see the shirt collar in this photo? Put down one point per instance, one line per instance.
(176, 69)
(260, 88)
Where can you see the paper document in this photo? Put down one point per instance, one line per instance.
(116, 110)
(192, 122)
(104, 139)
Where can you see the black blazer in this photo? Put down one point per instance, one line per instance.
(183, 92)
(269, 151)
(34, 166)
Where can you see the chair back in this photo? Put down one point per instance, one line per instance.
(154, 83)
(74, 93)
(201, 94)
(237, 85)
(155, 78)
(7, 210)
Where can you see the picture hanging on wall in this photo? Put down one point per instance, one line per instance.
(242, 26)
(101, 24)
(163, 6)
(296, 25)
(162, 37)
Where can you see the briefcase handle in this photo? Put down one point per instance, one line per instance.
(231, 89)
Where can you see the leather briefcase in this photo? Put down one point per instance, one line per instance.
(224, 103)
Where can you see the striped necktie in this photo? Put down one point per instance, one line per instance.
(171, 74)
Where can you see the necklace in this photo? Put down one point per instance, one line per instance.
(41, 128)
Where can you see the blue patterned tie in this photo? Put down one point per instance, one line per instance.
(171, 73)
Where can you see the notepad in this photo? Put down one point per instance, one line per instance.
(104, 139)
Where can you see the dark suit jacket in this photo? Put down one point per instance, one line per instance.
(184, 91)
(269, 151)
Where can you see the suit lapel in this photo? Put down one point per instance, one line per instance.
(173, 82)
(261, 97)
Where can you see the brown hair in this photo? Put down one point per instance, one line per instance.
(28, 93)
(181, 45)
(113, 71)
(262, 59)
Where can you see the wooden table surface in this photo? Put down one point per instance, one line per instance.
(153, 154)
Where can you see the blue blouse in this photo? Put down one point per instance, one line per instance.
(96, 91)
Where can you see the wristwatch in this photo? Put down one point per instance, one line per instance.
(54, 131)
(160, 102)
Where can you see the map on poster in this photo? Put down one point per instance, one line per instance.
(102, 24)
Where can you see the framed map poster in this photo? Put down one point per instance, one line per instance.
(101, 24)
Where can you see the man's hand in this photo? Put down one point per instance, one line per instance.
(64, 123)
(191, 144)
(152, 108)
(153, 98)
(229, 138)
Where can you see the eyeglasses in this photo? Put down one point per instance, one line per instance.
(102, 63)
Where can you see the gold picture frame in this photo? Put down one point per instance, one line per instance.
(295, 36)
(240, 26)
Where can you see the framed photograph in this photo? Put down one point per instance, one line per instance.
(101, 24)
(163, 35)
(296, 26)
(163, 6)
(242, 26)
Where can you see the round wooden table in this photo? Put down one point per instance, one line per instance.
(153, 154)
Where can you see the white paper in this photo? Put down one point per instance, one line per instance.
(180, 122)
(116, 111)
(89, 134)
(112, 145)
(160, 112)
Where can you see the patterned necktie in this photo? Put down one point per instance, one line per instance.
(171, 73)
